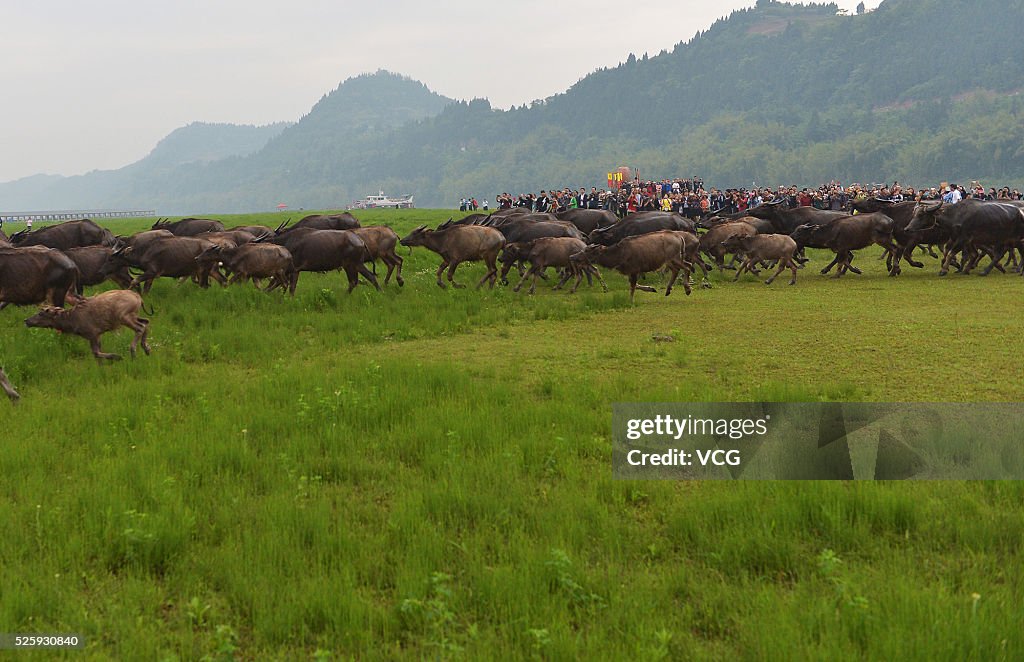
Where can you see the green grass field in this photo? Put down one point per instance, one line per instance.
(426, 473)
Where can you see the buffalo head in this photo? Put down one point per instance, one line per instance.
(417, 237)
(925, 216)
(46, 318)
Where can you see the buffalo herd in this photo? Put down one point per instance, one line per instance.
(52, 265)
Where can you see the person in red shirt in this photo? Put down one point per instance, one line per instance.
(805, 198)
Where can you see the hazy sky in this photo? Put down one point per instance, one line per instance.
(95, 85)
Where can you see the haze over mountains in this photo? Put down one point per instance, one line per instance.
(917, 90)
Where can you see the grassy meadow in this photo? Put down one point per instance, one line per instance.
(426, 473)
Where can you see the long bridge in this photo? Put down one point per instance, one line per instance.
(73, 214)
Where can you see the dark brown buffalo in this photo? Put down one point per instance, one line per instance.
(343, 221)
(641, 223)
(906, 241)
(8, 388)
(528, 228)
(473, 219)
(94, 316)
(974, 228)
(381, 242)
(189, 227)
(174, 257)
(847, 234)
(551, 252)
(258, 231)
(140, 241)
(641, 254)
(95, 266)
(460, 243)
(255, 261)
(588, 220)
(228, 238)
(328, 250)
(756, 248)
(70, 234)
(785, 220)
(32, 275)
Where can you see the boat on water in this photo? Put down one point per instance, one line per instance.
(383, 201)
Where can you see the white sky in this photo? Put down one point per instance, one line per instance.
(95, 85)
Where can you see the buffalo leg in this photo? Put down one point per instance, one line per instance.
(566, 275)
(353, 277)
(739, 272)
(98, 352)
(793, 267)
(141, 327)
(368, 275)
(672, 281)
(505, 268)
(908, 254)
(440, 270)
(398, 266)
(579, 279)
(782, 267)
(831, 264)
(522, 279)
(394, 264)
(451, 274)
(996, 259)
(8, 388)
(597, 272)
(894, 265)
(492, 273)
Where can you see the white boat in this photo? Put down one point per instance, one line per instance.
(381, 200)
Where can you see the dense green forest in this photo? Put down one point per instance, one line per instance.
(918, 91)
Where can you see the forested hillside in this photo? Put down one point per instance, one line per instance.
(917, 90)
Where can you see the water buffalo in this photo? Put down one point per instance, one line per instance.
(549, 252)
(255, 261)
(764, 248)
(228, 238)
(641, 223)
(70, 234)
(189, 227)
(95, 266)
(588, 220)
(785, 220)
(95, 316)
(258, 231)
(847, 234)
(642, 254)
(343, 221)
(140, 241)
(972, 225)
(31, 275)
(174, 257)
(473, 219)
(761, 225)
(328, 250)
(901, 214)
(457, 244)
(713, 241)
(380, 243)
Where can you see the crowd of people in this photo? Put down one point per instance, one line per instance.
(690, 198)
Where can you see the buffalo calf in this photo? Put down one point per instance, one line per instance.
(95, 316)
